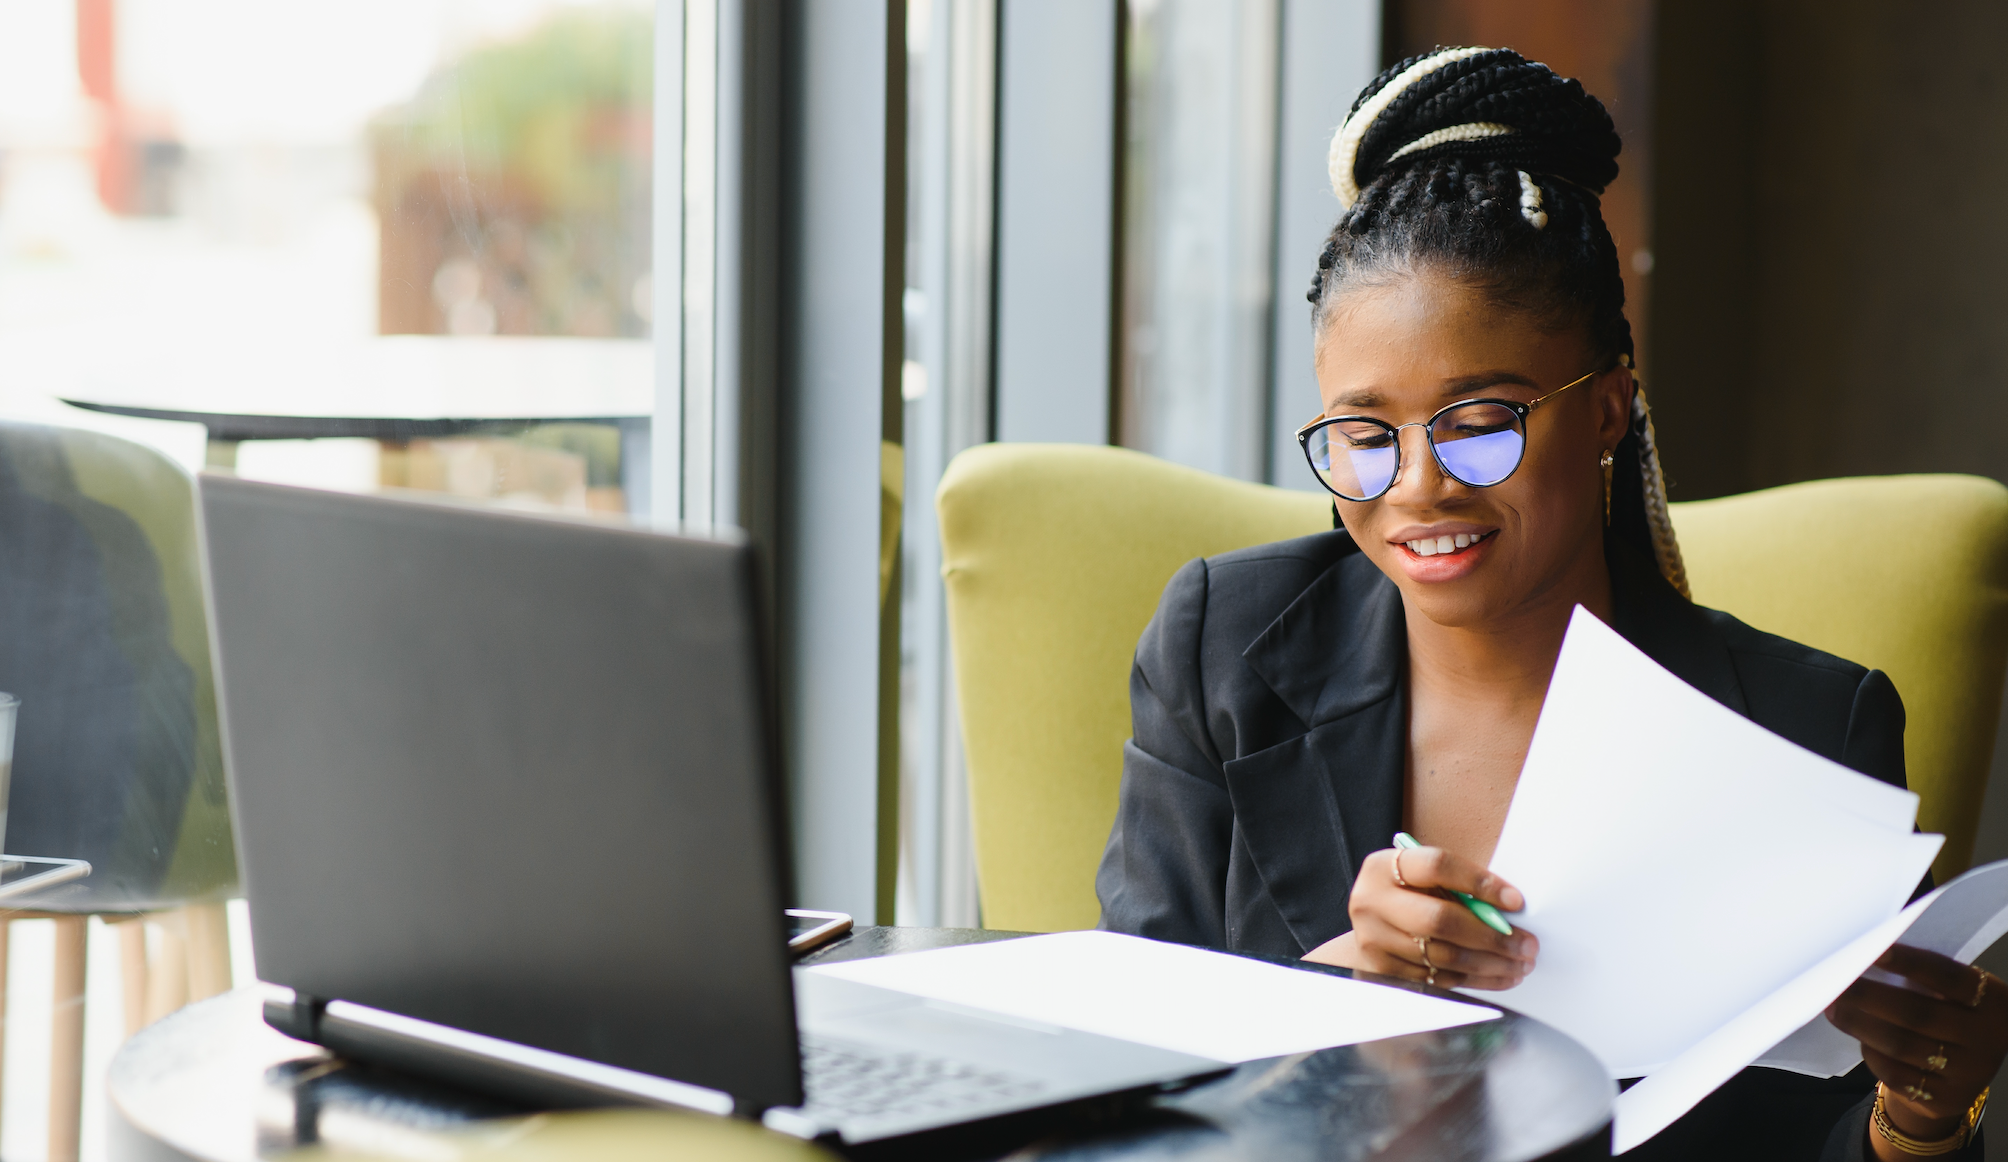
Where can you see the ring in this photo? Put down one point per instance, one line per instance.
(1979, 988)
(1915, 1093)
(1936, 1063)
(1404, 883)
(1422, 946)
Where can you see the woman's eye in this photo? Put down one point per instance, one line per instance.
(1362, 434)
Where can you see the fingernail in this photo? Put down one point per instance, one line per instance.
(1512, 899)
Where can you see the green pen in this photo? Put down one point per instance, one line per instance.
(1479, 908)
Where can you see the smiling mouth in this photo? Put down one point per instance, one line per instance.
(1444, 546)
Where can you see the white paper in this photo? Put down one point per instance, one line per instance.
(1657, 1102)
(1962, 921)
(1209, 1004)
(1672, 852)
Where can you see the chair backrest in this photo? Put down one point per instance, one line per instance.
(1907, 574)
(105, 639)
(1055, 556)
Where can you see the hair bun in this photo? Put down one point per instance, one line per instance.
(1489, 103)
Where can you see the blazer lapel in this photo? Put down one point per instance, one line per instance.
(1670, 629)
(1310, 808)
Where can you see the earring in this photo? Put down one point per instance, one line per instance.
(1607, 461)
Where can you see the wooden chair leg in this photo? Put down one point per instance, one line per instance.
(208, 950)
(167, 969)
(66, 1056)
(6, 927)
(132, 972)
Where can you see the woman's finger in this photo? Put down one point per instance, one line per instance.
(1895, 1042)
(1940, 974)
(1398, 943)
(1383, 961)
(1433, 867)
(1931, 1094)
(1422, 914)
(1914, 1012)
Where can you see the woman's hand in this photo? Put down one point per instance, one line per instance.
(1931, 1044)
(1403, 927)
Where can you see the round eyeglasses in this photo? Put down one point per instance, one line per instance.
(1478, 442)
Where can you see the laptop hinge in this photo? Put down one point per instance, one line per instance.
(538, 1076)
(297, 1016)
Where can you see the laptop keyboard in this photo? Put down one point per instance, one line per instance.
(846, 1080)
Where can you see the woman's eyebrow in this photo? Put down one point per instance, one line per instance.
(1368, 397)
(1465, 384)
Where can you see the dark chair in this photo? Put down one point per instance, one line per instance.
(104, 637)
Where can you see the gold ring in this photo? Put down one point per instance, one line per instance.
(1422, 946)
(1397, 871)
(1979, 988)
(1916, 1093)
(1936, 1062)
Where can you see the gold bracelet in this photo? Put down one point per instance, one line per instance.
(1922, 1149)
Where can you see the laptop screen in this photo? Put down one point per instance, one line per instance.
(507, 773)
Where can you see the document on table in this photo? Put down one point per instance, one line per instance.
(1701, 887)
(1209, 1004)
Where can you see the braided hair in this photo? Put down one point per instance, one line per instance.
(1484, 164)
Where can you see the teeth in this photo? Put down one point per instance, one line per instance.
(1436, 546)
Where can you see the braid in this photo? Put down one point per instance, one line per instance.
(1665, 548)
(1490, 165)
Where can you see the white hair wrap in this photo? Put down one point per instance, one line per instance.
(1469, 131)
(1346, 142)
(1530, 202)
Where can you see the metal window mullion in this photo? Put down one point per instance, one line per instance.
(700, 234)
(968, 395)
(1329, 50)
(665, 435)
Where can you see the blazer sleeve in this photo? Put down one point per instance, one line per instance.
(1875, 731)
(1875, 747)
(1164, 871)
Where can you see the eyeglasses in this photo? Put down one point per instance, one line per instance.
(1478, 442)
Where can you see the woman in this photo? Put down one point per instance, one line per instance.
(1296, 704)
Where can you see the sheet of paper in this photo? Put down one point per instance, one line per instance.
(1681, 863)
(1657, 1102)
(1190, 1000)
(1962, 922)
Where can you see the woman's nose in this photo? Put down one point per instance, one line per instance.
(1419, 482)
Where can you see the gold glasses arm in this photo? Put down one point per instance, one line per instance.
(1563, 388)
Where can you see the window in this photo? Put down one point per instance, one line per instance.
(338, 217)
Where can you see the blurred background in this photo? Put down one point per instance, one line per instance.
(224, 207)
(574, 255)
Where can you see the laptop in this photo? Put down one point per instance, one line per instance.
(510, 813)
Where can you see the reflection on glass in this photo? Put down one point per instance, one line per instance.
(1199, 211)
(513, 188)
(375, 210)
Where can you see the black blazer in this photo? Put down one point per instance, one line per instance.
(1270, 724)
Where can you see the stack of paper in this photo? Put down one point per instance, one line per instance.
(1701, 887)
(1188, 1000)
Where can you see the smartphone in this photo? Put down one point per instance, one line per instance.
(807, 930)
